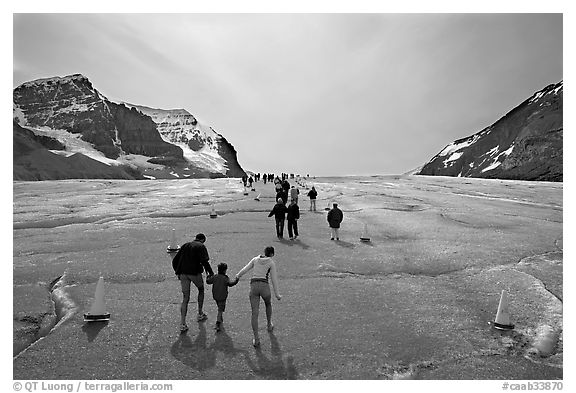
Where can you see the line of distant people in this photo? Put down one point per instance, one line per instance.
(266, 177)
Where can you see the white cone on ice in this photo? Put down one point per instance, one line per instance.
(365, 237)
(257, 198)
(502, 320)
(213, 213)
(173, 247)
(98, 309)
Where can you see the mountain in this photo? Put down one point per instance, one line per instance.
(525, 144)
(201, 145)
(69, 113)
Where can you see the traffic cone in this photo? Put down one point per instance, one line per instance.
(502, 320)
(98, 310)
(213, 214)
(327, 208)
(245, 191)
(365, 237)
(257, 198)
(173, 247)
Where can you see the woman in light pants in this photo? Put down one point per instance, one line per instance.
(263, 266)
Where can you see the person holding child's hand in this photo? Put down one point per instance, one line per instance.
(263, 266)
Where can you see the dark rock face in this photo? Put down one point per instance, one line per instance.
(196, 143)
(525, 144)
(34, 161)
(25, 141)
(138, 134)
(227, 151)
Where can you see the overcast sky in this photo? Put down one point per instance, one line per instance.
(324, 94)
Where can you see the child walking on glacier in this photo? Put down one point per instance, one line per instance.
(220, 283)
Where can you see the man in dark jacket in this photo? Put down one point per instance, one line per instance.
(335, 217)
(188, 264)
(279, 213)
(286, 186)
(313, 194)
(293, 215)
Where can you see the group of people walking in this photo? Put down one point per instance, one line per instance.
(291, 213)
(192, 260)
(281, 212)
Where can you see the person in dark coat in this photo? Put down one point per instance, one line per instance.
(281, 194)
(313, 194)
(335, 217)
(220, 283)
(279, 213)
(189, 264)
(277, 186)
(293, 215)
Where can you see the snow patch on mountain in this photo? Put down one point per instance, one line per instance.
(540, 94)
(54, 79)
(497, 160)
(18, 115)
(63, 153)
(492, 151)
(74, 144)
(459, 145)
(452, 158)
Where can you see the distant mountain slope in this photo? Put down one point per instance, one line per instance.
(71, 111)
(525, 144)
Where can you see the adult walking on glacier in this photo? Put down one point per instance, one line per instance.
(293, 214)
(313, 194)
(189, 264)
(263, 267)
(294, 192)
(279, 213)
(335, 217)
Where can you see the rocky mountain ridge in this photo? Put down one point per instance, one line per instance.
(525, 144)
(71, 112)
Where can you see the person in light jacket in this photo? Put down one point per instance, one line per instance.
(263, 267)
(335, 217)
